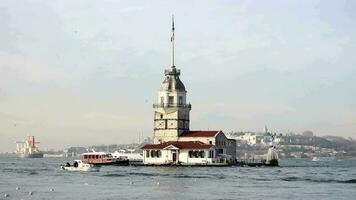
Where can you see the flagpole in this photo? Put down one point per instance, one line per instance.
(172, 40)
(173, 53)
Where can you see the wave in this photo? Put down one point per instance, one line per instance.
(33, 173)
(113, 175)
(176, 175)
(348, 181)
(24, 170)
(146, 174)
(294, 178)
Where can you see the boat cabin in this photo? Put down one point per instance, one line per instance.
(97, 158)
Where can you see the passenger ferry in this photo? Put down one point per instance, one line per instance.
(102, 158)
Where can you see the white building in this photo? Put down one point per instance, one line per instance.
(174, 143)
(182, 153)
(251, 139)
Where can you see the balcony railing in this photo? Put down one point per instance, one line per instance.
(173, 71)
(172, 105)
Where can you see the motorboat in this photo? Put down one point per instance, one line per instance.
(80, 166)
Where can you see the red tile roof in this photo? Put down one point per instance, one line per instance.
(199, 134)
(179, 145)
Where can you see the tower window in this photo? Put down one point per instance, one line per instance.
(161, 116)
(180, 100)
(171, 100)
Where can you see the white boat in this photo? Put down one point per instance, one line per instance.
(132, 157)
(80, 166)
(323, 159)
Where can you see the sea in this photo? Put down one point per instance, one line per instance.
(42, 178)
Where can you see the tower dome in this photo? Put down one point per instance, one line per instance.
(172, 81)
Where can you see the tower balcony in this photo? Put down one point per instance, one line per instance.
(173, 71)
(172, 105)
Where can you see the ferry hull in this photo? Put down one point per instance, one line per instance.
(116, 163)
(33, 155)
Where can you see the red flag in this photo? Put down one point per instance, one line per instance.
(172, 37)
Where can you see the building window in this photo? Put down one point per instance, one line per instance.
(147, 153)
(162, 100)
(159, 153)
(211, 154)
(155, 154)
(210, 142)
(196, 154)
(171, 100)
(180, 100)
(190, 154)
(161, 116)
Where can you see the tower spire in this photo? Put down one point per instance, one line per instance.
(172, 40)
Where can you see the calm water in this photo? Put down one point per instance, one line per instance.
(296, 179)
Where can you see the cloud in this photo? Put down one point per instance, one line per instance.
(17, 71)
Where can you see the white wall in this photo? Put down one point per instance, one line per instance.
(182, 157)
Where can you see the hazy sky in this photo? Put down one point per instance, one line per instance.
(87, 72)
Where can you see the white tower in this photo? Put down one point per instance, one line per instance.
(265, 130)
(171, 116)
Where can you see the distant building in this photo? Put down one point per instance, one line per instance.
(308, 134)
(265, 130)
(72, 151)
